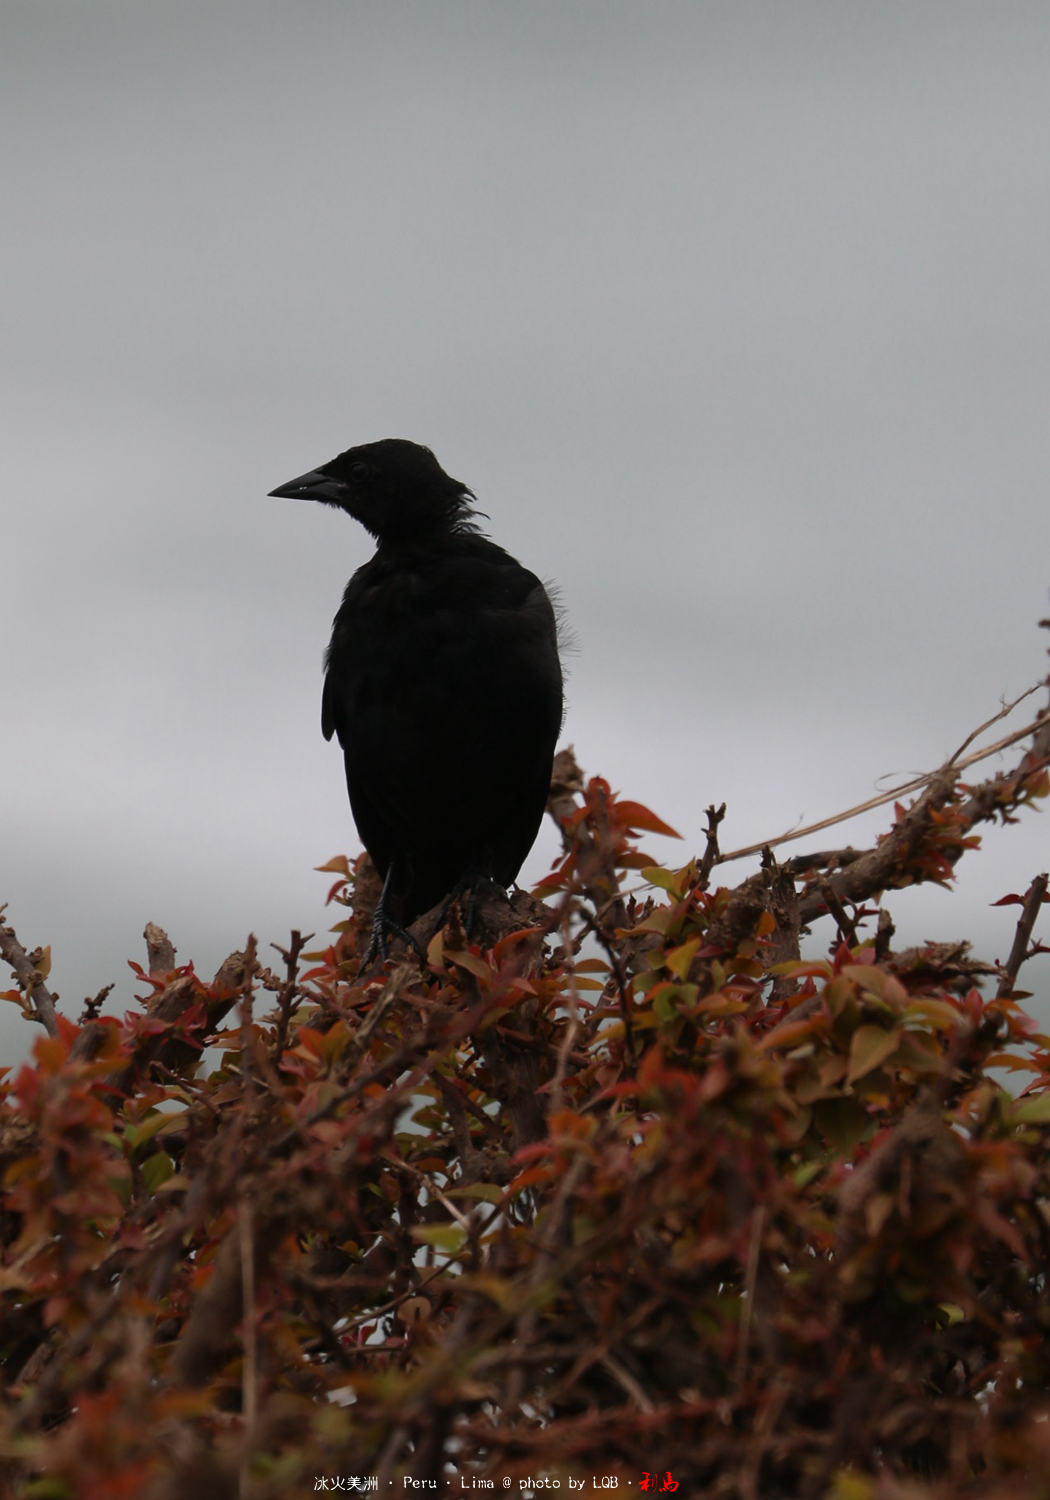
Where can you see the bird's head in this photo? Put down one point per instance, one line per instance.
(396, 489)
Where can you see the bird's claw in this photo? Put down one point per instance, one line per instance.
(477, 884)
(377, 943)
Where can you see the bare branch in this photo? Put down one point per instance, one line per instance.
(846, 926)
(93, 1007)
(1037, 727)
(248, 1372)
(30, 982)
(289, 989)
(747, 1302)
(877, 868)
(1034, 898)
(711, 855)
(893, 861)
(160, 951)
(883, 935)
(566, 780)
(247, 1047)
(1004, 713)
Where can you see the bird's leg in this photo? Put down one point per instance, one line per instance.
(478, 886)
(382, 922)
(477, 882)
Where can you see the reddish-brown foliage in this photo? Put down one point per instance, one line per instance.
(685, 1205)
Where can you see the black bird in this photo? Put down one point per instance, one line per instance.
(442, 681)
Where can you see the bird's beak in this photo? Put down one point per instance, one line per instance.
(317, 485)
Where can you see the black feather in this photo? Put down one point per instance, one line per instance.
(442, 680)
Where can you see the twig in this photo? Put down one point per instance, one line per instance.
(390, 992)
(901, 791)
(1034, 898)
(883, 935)
(248, 1384)
(891, 861)
(92, 1007)
(877, 868)
(247, 1049)
(747, 1305)
(210, 1329)
(375, 1313)
(711, 856)
(456, 1097)
(29, 980)
(176, 1233)
(621, 990)
(160, 951)
(289, 989)
(1004, 713)
(846, 926)
(420, 1046)
(566, 781)
(571, 1029)
(592, 923)
(462, 1219)
(821, 859)
(625, 1379)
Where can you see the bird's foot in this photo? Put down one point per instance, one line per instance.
(484, 885)
(382, 923)
(377, 943)
(478, 884)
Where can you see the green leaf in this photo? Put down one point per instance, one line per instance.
(503, 1293)
(138, 1135)
(485, 1190)
(936, 1013)
(157, 1169)
(843, 1121)
(446, 1237)
(664, 1005)
(850, 1486)
(918, 1051)
(870, 1046)
(1033, 1109)
(878, 983)
(666, 880)
(679, 959)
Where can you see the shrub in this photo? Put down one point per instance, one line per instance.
(687, 1211)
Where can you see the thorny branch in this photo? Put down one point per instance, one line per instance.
(289, 992)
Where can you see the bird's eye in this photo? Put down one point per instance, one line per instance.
(358, 472)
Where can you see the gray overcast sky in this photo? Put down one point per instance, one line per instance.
(735, 316)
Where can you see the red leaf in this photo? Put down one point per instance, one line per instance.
(634, 815)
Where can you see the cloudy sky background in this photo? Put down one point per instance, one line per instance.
(735, 316)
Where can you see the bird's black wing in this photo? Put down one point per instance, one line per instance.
(444, 687)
